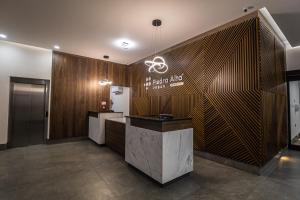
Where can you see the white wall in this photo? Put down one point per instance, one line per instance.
(121, 101)
(22, 61)
(293, 59)
(295, 108)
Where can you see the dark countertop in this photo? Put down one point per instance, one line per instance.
(157, 119)
(103, 112)
(118, 119)
(95, 113)
(156, 123)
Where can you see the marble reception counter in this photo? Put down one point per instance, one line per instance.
(161, 148)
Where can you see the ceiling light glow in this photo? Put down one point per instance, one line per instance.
(125, 43)
(56, 47)
(3, 36)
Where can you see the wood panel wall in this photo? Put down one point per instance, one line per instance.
(230, 89)
(274, 92)
(75, 91)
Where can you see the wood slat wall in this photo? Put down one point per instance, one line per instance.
(228, 87)
(75, 91)
(274, 92)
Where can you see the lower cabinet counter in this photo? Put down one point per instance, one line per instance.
(115, 135)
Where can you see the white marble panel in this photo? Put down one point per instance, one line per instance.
(177, 154)
(143, 150)
(164, 156)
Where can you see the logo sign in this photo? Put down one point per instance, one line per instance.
(157, 65)
(164, 82)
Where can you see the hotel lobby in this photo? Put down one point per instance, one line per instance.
(149, 100)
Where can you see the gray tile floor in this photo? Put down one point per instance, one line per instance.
(84, 171)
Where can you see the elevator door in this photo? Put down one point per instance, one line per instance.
(28, 114)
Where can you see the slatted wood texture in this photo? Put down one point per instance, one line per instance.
(75, 91)
(274, 92)
(224, 91)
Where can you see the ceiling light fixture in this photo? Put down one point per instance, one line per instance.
(158, 64)
(125, 43)
(56, 47)
(3, 36)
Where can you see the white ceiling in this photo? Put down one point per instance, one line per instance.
(90, 27)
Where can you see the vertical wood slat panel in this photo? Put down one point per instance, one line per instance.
(274, 92)
(75, 91)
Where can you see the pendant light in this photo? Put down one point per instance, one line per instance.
(158, 64)
(105, 81)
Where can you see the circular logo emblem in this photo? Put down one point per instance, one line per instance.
(157, 65)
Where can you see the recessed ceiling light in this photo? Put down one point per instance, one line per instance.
(56, 47)
(3, 36)
(125, 43)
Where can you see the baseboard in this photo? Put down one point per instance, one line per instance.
(3, 147)
(266, 170)
(73, 139)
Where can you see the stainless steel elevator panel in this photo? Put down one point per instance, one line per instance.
(28, 114)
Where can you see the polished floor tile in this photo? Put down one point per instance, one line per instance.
(84, 171)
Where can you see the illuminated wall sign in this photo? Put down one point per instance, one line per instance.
(158, 65)
(164, 82)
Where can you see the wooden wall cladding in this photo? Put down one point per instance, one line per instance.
(223, 92)
(75, 91)
(274, 92)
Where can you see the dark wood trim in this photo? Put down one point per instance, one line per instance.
(34, 81)
(177, 125)
(146, 124)
(157, 118)
(162, 126)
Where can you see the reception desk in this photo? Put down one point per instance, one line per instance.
(161, 148)
(97, 124)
